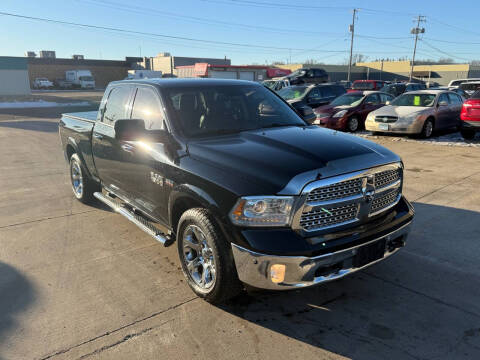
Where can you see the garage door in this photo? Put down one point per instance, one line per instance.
(223, 74)
(247, 75)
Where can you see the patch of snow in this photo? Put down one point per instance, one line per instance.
(39, 104)
(454, 139)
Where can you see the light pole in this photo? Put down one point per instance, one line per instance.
(352, 30)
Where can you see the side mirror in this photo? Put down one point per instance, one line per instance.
(442, 103)
(129, 129)
(307, 114)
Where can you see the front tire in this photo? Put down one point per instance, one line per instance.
(82, 186)
(206, 257)
(427, 129)
(353, 124)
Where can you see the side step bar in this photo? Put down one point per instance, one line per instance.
(138, 220)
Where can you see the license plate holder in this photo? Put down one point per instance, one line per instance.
(383, 126)
(369, 253)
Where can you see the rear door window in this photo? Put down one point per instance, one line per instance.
(443, 97)
(326, 91)
(314, 94)
(372, 99)
(117, 104)
(147, 107)
(384, 98)
(455, 99)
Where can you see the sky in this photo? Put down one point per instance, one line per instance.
(246, 31)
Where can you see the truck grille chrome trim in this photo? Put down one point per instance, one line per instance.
(339, 201)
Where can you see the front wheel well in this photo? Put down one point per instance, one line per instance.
(69, 151)
(432, 119)
(179, 207)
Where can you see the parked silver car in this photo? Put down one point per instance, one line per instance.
(417, 112)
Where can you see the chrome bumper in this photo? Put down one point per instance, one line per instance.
(254, 268)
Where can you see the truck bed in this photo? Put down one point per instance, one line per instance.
(89, 116)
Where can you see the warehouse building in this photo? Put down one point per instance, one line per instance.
(14, 76)
(167, 63)
(103, 71)
(240, 72)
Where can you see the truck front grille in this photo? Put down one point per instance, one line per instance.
(336, 191)
(346, 199)
(321, 218)
(384, 201)
(386, 178)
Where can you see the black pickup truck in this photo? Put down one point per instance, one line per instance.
(251, 193)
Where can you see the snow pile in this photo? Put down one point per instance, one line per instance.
(39, 104)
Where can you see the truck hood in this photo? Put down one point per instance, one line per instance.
(279, 159)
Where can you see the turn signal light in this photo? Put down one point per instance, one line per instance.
(277, 273)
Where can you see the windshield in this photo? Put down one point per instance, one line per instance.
(422, 100)
(293, 92)
(215, 110)
(363, 85)
(86, 78)
(269, 83)
(348, 99)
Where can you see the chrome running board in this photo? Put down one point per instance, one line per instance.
(145, 225)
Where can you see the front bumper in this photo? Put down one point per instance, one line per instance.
(470, 125)
(332, 123)
(253, 268)
(401, 126)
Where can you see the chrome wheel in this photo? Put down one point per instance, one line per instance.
(428, 129)
(353, 124)
(198, 257)
(76, 178)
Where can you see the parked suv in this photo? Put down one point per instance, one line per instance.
(311, 95)
(470, 116)
(250, 193)
(307, 76)
(349, 111)
(397, 89)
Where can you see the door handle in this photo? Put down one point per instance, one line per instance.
(98, 136)
(128, 148)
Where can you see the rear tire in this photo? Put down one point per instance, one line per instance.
(206, 257)
(467, 134)
(427, 129)
(82, 186)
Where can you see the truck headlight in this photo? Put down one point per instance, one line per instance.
(262, 211)
(340, 113)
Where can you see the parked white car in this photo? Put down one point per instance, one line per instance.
(42, 83)
(417, 112)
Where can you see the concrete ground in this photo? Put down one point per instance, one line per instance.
(80, 282)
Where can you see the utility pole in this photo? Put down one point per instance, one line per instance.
(416, 30)
(352, 30)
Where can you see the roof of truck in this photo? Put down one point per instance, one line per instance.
(174, 82)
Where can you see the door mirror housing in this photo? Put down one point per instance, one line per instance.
(129, 129)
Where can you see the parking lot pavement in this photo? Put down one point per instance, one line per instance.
(80, 282)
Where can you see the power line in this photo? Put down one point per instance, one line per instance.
(443, 52)
(154, 34)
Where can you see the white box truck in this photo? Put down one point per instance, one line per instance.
(82, 78)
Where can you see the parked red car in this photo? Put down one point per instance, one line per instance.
(470, 116)
(367, 85)
(349, 111)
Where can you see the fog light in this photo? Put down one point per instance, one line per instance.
(277, 273)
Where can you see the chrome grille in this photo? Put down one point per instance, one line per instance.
(387, 177)
(386, 119)
(343, 200)
(384, 200)
(321, 218)
(336, 191)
